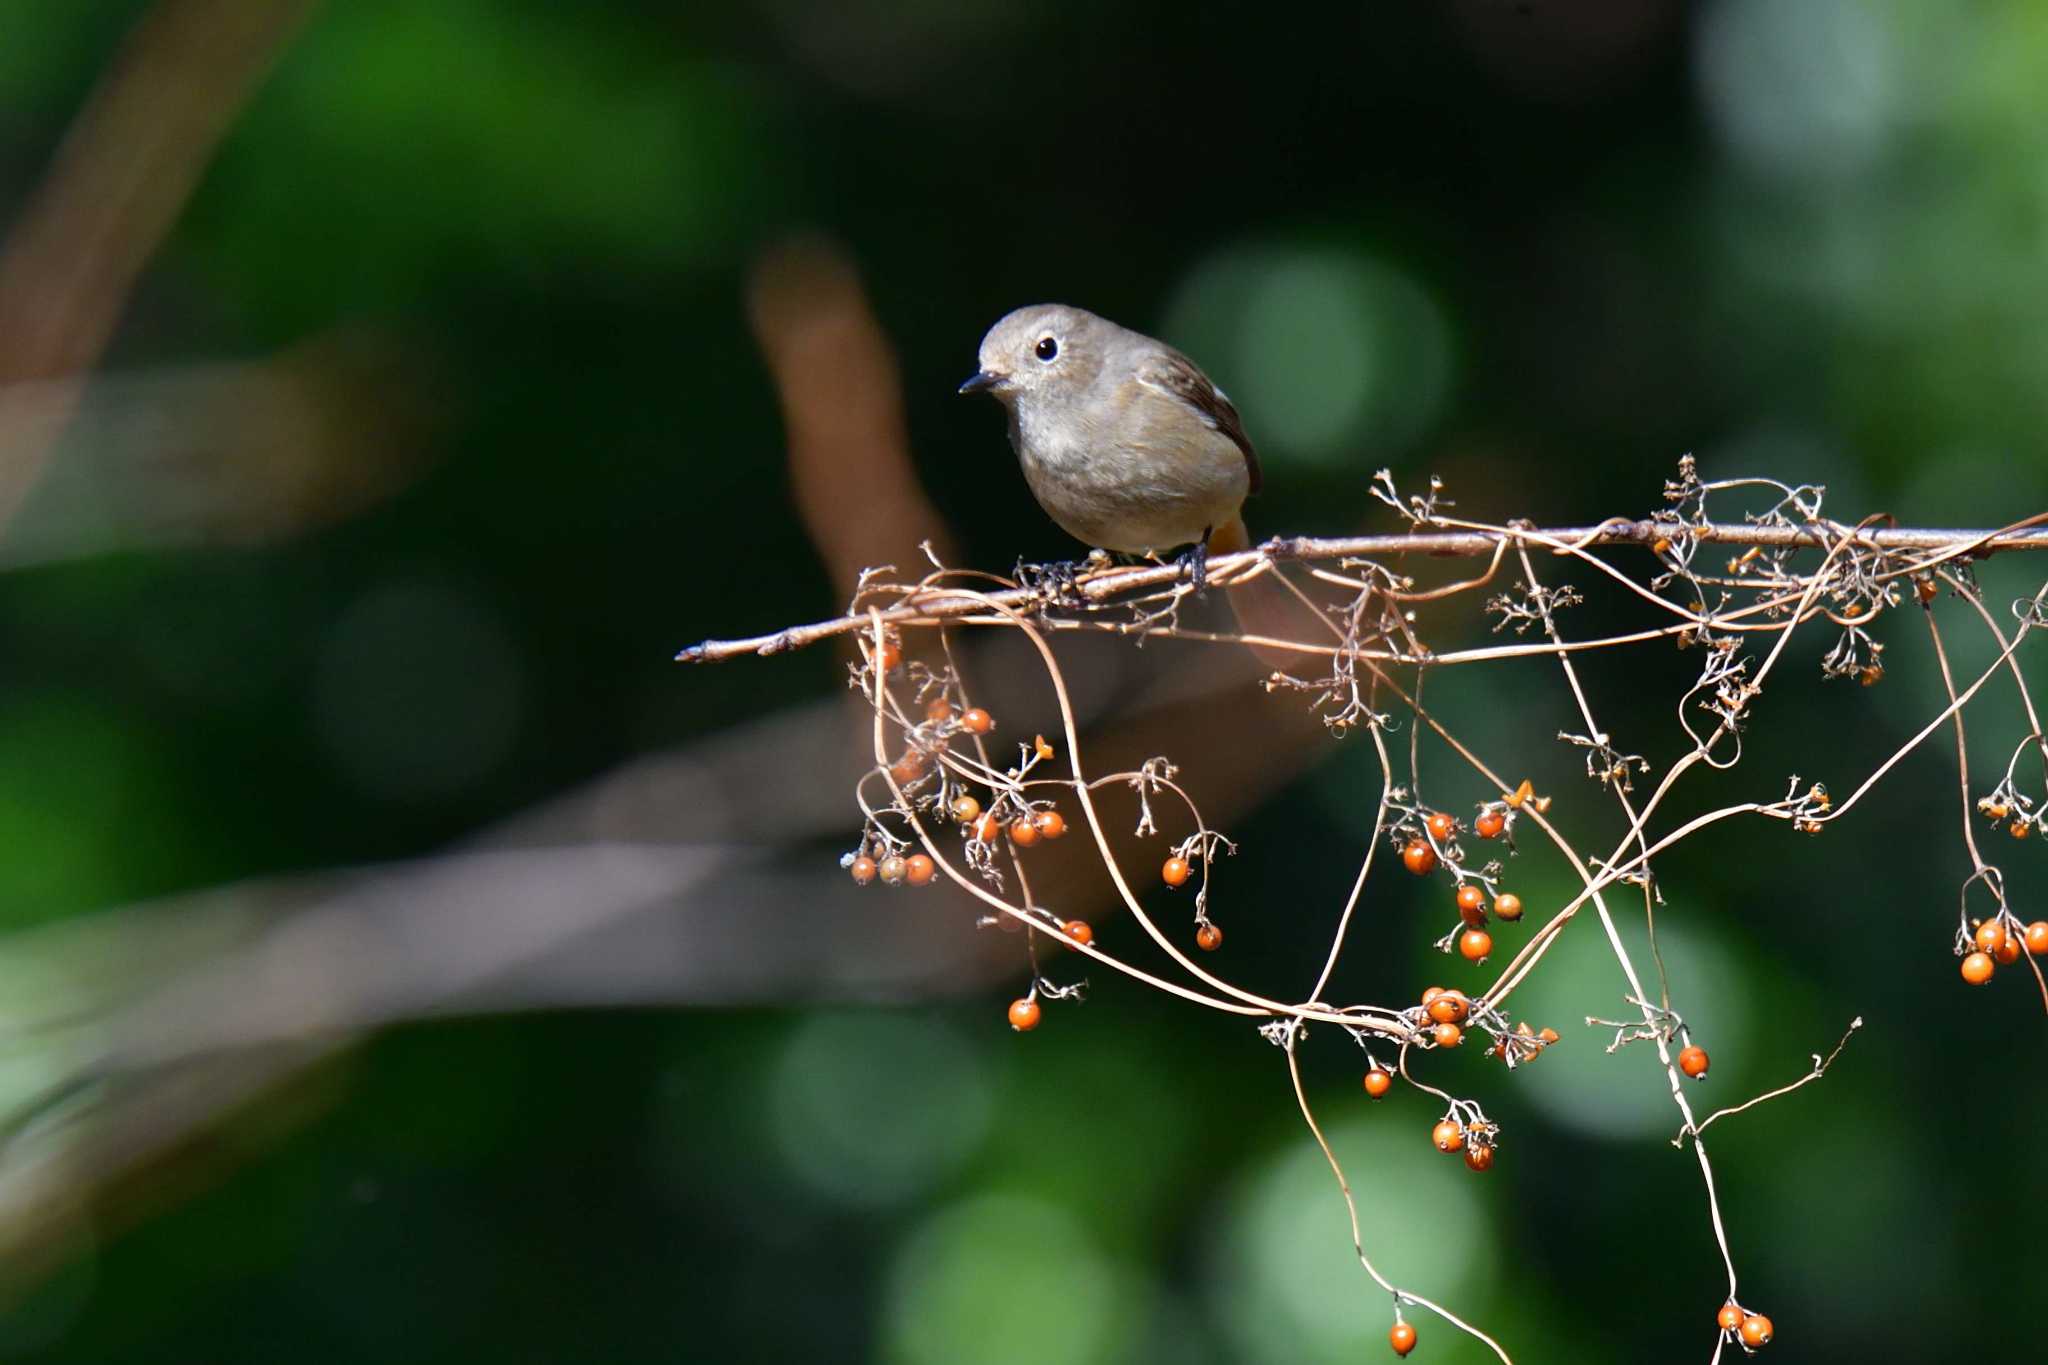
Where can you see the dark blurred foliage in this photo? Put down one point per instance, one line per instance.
(489, 260)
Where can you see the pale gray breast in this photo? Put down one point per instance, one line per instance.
(1127, 466)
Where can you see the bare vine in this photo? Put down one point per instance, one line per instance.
(944, 802)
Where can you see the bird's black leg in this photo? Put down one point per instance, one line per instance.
(1194, 562)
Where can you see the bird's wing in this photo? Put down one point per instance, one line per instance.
(1175, 374)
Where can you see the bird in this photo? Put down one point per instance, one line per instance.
(1125, 442)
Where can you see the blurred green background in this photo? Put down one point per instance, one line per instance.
(501, 249)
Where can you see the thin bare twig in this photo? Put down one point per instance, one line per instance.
(1820, 1067)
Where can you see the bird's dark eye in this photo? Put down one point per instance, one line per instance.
(1047, 348)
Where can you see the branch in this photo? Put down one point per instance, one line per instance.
(127, 166)
(1096, 589)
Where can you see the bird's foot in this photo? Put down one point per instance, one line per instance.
(1056, 583)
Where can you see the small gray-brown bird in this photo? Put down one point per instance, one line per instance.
(1124, 441)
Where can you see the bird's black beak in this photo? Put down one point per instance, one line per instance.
(982, 382)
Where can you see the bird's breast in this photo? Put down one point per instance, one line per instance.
(1131, 472)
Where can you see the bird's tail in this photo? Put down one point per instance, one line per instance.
(1266, 610)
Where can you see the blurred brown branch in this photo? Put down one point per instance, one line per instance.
(841, 392)
(123, 174)
(238, 452)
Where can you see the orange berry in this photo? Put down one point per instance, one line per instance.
(1378, 1083)
(1693, 1061)
(1547, 1036)
(2018, 829)
(939, 710)
(908, 768)
(1024, 1015)
(1489, 825)
(2008, 951)
(1976, 967)
(1402, 1338)
(892, 869)
(1991, 935)
(890, 656)
(1756, 1331)
(1429, 996)
(1508, 906)
(2037, 937)
(1471, 901)
(919, 869)
(1475, 945)
(1449, 1035)
(1023, 833)
(976, 721)
(1040, 747)
(1441, 826)
(1449, 1007)
(965, 808)
(1449, 1135)
(863, 869)
(1050, 823)
(987, 827)
(1729, 1318)
(1078, 930)
(1208, 938)
(1175, 871)
(1419, 858)
(1479, 1157)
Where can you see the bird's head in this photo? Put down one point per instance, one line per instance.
(1043, 347)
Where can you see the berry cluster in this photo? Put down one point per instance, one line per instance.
(933, 781)
(1746, 1329)
(2007, 809)
(1428, 840)
(1175, 872)
(997, 812)
(1986, 945)
(1999, 941)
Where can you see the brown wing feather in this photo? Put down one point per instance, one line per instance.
(1178, 375)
